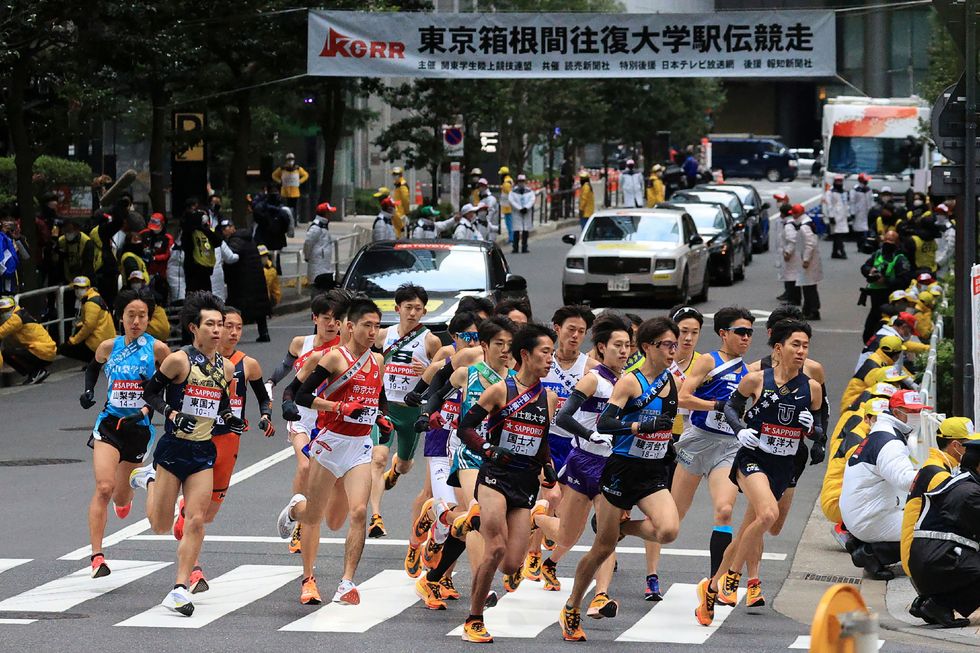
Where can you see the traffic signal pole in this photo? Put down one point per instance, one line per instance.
(966, 254)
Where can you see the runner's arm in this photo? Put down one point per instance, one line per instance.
(435, 399)
(491, 400)
(685, 396)
(328, 366)
(160, 352)
(566, 416)
(285, 366)
(734, 409)
(265, 402)
(175, 366)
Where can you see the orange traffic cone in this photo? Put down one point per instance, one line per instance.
(418, 194)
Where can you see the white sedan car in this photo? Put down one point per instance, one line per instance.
(634, 253)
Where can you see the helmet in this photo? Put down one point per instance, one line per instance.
(382, 192)
(504, 170)
(7, 303)
(864, 178)
(476, 172)
(80, 282)
(397, 170)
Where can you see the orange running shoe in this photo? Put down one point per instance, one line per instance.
(197, 583)
(123, 511)
(449, 590)
(430, 593)
(728, 588)
(532, 566)
(179, 521)
(310, 594)
(705, 612)
(753, 596)
(549, 573)
(99, 567)
(423, 521)
(571, 624)
(474, 630)
(413, 561)
(466, 523)
(294, 540)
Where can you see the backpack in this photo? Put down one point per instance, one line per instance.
(201, 251)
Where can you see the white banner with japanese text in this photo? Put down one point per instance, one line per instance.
(551, 45)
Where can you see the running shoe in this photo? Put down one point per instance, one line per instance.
(37, 377)
(466, 523)
(391, 478)
(377, 528)
(705, 612)
(728, 589)
(448, 591)
(413, 561)
(285, 524)
(571, 624)
(140, 477)
(753, 596)
(179, 521)
(549, 573)
(430, 593)
(439, 530)
(310, 593)
(123, 511)
(423, 521)
(198, 583)
(294, 540)
(179, 600)
(99, 567)
(549, 544)
(431, 553)
(602, 606)
(474, 630)
(652, 592)
(490, 601)
(347, 593)
(532, 567)
(513, 581)
(843, 537)
(540, 508)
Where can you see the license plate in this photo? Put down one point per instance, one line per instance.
(618, 284)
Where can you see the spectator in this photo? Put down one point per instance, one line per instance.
(690, 167)
(923, 315)
(131, 257)
(273, 224)
(483, 224)
(199, 242)
(655, 186)
(384, 227)
(506, 185)
(887, 270)
(861, 199)
(222, 256)
(475, 175)
(158, 247)
(811, 269)
(888, 354)
(247, 290)
(26, 343)
(946, 243)
(159, 324)
(75, 252)
(425, 225)
(566, 183)
(48, 225)
(290, 176)
(93, 323)
(271, 278)
(10, 257)
(402, 198)
(786, 268)
(633, 187)
(466, 228)
(586, 199)
(836, 208)
(103, 235)
(318, 250)
(487, 199)
(877, 479)
(522, 200)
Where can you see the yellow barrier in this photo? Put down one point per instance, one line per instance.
(825, 633)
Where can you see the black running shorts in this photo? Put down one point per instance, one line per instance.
(625, 481)
(184, 458)
(130, 441)
(800, 461)
(778, 469)
(519, 486)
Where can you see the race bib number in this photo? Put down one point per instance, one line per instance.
(400, 378)
(201, 401)
(368, 415)
(450, 414)
(650, 446)
(779, 440)
(717, 421)
(126, 394)
(521, 438)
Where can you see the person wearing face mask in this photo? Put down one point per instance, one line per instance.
(633, 186)
(28, 347)
(877, 479)
(75, 251)
(861, 199)
(522, 200)
(93, 323)
(158, 325)
(836, 209)
(887, 270)
(384, 228)
(946, 243)
(487, 199)
(131, 257)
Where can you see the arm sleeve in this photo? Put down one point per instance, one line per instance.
(565, 417)
(92, 374)
(153, 393)
(285, 367)
(434, 399)
(289, 394)
(467, 429)
(895, 466)
(383, 402)
(265, 403)
(609, 422)
(439, 379)
(823, 416)
(305, 395)
(734, 409)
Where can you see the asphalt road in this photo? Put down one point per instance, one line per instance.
(253, 604)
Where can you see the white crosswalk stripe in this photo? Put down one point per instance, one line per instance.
(803, 642)
(10, 563)
(672, 620)
(229, 592)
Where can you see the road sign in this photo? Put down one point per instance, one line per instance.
(452, 138)
(949, 120)
(949, 180)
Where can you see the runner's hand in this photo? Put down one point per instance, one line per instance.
(184, 423)
(422, 423)
(720, 406)
(352, 409)
(550, 476)
(290, 411)
(660, 423)
(748, 438)
(805, 419)
(87, 400)
(498, 455)
(385, 425)
(418, 367)
(265, 424)
(235, 424)
(817, 453)
(413, 399)
(602, 438)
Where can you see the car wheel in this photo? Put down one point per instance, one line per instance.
(773, 175)
(684, 291)
(705, 285)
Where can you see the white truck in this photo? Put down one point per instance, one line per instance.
(881, 137)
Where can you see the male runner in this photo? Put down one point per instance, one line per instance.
(191, 391)
(516, 310)
(784, 400)
(708, 447)
(519, 411)
(636, 424)
(348, 408)
(122, 431)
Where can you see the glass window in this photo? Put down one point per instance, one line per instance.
(874, 156)
(706, 216)
(379, 272)
(659, 228)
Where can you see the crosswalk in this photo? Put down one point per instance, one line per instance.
(524, 614)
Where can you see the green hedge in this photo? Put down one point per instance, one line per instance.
(364, 201)
(49, 172)
(944, 377)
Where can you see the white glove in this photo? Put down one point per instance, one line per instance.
(268, 389)
(748, 438)
(806, 420)
(602, 438)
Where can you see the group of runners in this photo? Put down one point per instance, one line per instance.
(523, 436)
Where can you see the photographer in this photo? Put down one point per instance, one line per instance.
(199, 243)
(887, 270)
(318, 250)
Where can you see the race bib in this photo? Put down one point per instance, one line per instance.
(650, 446)
(717, 421)
(450, 414)
(521, 438)
(126, 394)
(400, 378)
(290, 179)
(779, 440)
(201, 401)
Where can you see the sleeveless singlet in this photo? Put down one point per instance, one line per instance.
(363, 387)
(308, 415)
(236, 392)
(775, 414)
(523, 432)
(588, 414)
(127, 367)
(718, 386)
(648, 446)
(199, 394)
(399, 354)
(562, 382)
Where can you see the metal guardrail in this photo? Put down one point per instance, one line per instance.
(929, 426)
(344, 249)
(59, 305)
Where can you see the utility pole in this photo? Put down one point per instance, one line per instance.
(968, 218)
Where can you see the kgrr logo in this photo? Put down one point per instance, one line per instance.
(341, 45)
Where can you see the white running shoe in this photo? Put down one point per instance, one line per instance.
(347, 593)
(141, 476)
(439, 531)
(179, 600)
(286, 523)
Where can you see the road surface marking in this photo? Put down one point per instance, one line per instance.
(229, 592)
(581, 548)
(672, 621)
(10, 563)
(66, 592)
(803, 642)
(383, 596)
(16, 622)
(144, 524)
(524, 613)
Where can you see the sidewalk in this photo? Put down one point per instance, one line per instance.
(820, 563)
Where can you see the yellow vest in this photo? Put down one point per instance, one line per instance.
(934, 471)
(852, 429)
(506, 186)
(140, 264)
(97, 241)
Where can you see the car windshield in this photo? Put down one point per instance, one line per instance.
(705, 216)
(874, 156)
(660, 228)
(744, 194)
(727, 199)
(379, 272)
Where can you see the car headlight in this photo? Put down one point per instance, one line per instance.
(664, 264)
(575, 263)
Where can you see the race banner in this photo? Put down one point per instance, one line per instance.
(555, 45)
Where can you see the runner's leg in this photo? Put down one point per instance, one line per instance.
(723, 495)
(607, 524)
(197, 496)
(493, 528)
(161, 496)
(357, 483)
(683, 488)
(105, 461)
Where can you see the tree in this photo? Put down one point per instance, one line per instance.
(945, 61)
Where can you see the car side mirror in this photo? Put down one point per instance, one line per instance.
(765, 205)
(568, 239)
(696, 239)
(515, 283)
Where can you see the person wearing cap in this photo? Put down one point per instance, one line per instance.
(883, 207)
(272, 284)
(75, 251)
(877, 479)
(888, 354)
(506, 185)
(852, 430)
(945, 244)
(199, 242)
(944, 557)
(384, 226)
(632, 184)
(491, 207)
(483, 224)
(801, 260)
(424, 223)
(27, 345)
(921, 282)
(836, 209)
(888, 269)
(656, 192)
(861, 199)
(586, 198)
(402, 198)
(247, 290)
(902, 325)
(920, 235)
(791, 294)
(475, 175)
(223, 255)
(318, 249)
(158, 246)
(131, 257)
(290, 176)
(522, 199)
(466, 229)
(93, 322)
(923, 315)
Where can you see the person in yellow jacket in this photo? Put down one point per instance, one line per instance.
(26, 344)
(76, 251)
(290, 176)
(953, 433)
(159, 324)
(271, 276)
(656, 192)
(506, 185)
(887, 353)
(403, 199)
(586, 199)
(923, 315)
(93, 324)
(853, 428)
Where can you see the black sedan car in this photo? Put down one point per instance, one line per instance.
(724, 237)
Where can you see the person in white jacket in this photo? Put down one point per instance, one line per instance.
(877, 480)
(466, 229)
(222, 256)
(811, 267)
(791, 269)
(522, 199)
(383, 227)
(836, 206)
(634, 186)
(490, 205)
(318, 250)
(862, 198)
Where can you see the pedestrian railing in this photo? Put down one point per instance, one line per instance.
(52, 297)
(921, 442)
(344, 249)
